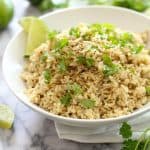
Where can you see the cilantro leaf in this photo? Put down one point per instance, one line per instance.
(107, 27)
(87, 103)
(107, 60)
(47, 76)
(44, 56)
(74, 88)
(93, 47)
(147, 88)
(60, 44)
(102, 28)
(75, 32)
(125, 38)
(129, 144)
(125, 130)
(63, 66)
(137, 49)
(87, 36)
(96, 28)
(110, 70)
(88, 62)
(109, 67)
(52, 34)
(66, 99)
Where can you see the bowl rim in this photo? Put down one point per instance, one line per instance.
(58, 117)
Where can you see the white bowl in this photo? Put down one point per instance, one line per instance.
(13, 60)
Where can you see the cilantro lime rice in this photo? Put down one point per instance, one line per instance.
(90, 72)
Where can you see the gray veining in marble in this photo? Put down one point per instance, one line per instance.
(31, 131)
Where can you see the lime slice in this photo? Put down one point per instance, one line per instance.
(6, 116)
(37, 32)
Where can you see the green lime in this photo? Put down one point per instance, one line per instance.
(6, 12)
(37, 32)
(6, 116)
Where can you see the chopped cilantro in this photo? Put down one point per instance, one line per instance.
(125, 130)
(110, 70)
(60, 44)
(44, 56)
(96, 27)
(129, 144)
(107, 60)
(137, 49)
(62, 65)
(109, 67)
(108, 46)
(102, 28)
(93, 48)
(47, 76)
(107, 27)
(74, 88)
(66, 99)
(125, 38)
(147, 88)
(75, 32)
(87, 103)
(114, 39)
(86, 36)
(52, 34)
(88, 62)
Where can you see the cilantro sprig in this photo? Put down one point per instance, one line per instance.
(143, 143)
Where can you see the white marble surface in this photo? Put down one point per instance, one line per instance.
(31, 131)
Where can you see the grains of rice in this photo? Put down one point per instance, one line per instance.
(114, 95)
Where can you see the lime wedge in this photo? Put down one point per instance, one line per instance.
(6, 116)
(26, 22)
(37, 32)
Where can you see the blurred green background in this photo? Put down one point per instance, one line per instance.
(7, 7)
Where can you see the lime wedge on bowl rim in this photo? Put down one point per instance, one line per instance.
(6, 116)
(36, 31)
